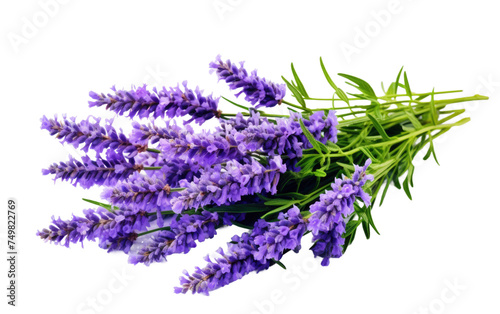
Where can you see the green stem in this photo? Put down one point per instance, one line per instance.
(153, 150)
(399, 139)
(295, 106)
(152, 230)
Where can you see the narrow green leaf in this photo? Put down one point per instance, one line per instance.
(407, 86)
(277, 210)
(366, 228)
(397, 81)
(370, 219)
(379, 127)
(300, 86)
(342, 95)
(280, 264)
(108, 207)
(368, 154)
(295, 93)
(434, 113)
(362, 85)
(238, 224)
(351, 227)
(310, 137)
(406, 188)
(278, 201)
(235, 104)
(431, 150)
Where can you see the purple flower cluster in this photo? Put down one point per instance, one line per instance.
(115, 230)
(204, 148)
(183, 233)
(273, 238)
(172, 102)
(233, 264)
(90, 172)
(224, 185)
(327, 220)
(92, 134)
(140, 192)
(257, 90)
(254, 251)
(285, 137)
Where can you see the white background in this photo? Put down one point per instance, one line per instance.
(447, 236)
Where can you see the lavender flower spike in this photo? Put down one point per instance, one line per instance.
(233, 264)
(172, 102)
(257, 90)
(92, 134)
(220, 185)
(90, 172)
(184, 231)
(109, 228)
(272, 239)
(327, 220)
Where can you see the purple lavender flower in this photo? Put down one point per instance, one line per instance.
(115, 230)
(94, 172)
(204, 148)
(285, 137)
(172, 102)
(143, 134)
(184, 232)
(224, 185)
(274, 238)
(327, 220)
(233, 264)
(257, 90)
(150, 192)
(92, 134)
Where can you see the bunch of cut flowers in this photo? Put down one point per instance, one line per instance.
(318, 169)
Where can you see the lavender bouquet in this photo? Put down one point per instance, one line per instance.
(318, 169)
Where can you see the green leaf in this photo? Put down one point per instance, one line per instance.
(370, 219)
(434, 113)
(389, 179)
(277, 210)
(397, 81)
(378, 126)
(108, 207)
(362, 85)
(237, 105)
(278, 201)
(368, 154)
(239, 224)
(339, 91)
(295, 93)
(407, 86)
(351, 227)
(279, 263)
(300, 86)
(406, 188)
(431, 150)
(413, 119)
(320, 173)
(366, 229)
(310, 137)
